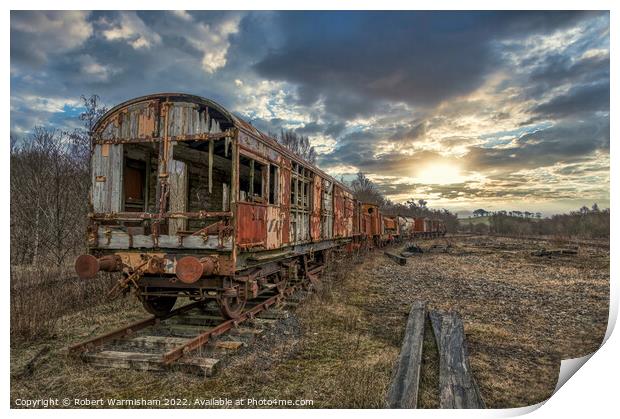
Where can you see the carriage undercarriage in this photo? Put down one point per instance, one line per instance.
(159, 293)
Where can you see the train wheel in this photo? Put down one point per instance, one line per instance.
(232, 307)
(158, 306)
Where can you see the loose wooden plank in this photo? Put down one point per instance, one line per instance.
(230, 345)
(403, 392)
(274, 314)
(245, 331)
(457, 387)
(397, 258)
(149, 362)
(436, 318)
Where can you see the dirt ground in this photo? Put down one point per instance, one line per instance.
(522, 315)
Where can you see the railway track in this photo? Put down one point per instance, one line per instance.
(194, 338)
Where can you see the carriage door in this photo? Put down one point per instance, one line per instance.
(252, 202)
(315, 218)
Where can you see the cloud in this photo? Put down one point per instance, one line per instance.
(37, 34)
(358, 59)
(95, 71)
(130, 28)
(563, 142)
(211, 39)
(578, 101)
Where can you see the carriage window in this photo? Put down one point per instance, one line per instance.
(274, 183)
(251, 180)
(300, 186)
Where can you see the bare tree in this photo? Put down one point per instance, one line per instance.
(365, 190)
(49, 189)
(298, 144)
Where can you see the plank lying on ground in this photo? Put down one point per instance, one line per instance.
(401, 260)
(403, 392)
(228, 344)
(551, 252)
(436, 318)
(457, 387)
(150, 362)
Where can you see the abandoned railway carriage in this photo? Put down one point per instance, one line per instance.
(187, 200)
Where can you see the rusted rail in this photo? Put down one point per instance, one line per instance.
(193, 344)
(127, 330)
(203, 338)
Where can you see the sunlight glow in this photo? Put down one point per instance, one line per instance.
(439, 174)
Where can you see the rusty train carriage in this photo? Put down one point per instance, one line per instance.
(189, 200)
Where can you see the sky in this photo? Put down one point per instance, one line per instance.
(467, 110)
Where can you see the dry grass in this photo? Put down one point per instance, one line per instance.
(522, 314)
(40, 296)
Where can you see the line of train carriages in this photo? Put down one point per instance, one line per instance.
(188, 200)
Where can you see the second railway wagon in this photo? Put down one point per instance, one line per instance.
(187, 200)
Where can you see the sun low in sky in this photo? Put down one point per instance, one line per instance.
(438, 174)
(500, 110)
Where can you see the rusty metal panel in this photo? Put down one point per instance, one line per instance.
(339, 216)
(348, 214)
(419, 224)
(315, 219)
(389, 223)
(274, 228)
(251, 224)
(374, 218)
(285, 200)
(356, 218)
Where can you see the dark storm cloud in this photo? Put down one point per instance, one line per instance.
(556, 69)
(332, 129)
(564, 142)
(352, 59)
(578, 101)
(414, 131)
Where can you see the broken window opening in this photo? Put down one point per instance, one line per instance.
(252, 176)
(200, 179)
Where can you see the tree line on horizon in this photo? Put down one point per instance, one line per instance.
(585, 222)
